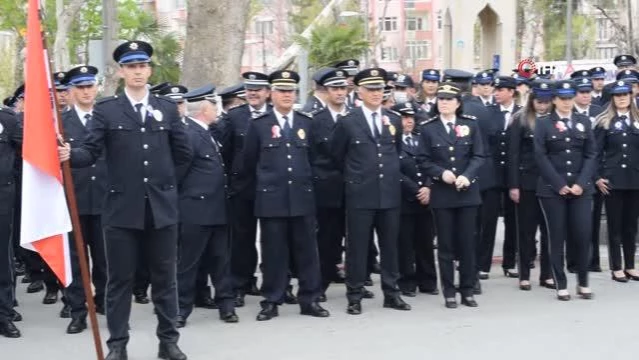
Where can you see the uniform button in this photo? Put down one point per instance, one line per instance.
(623, 166)
(568, 162)
(288, 144)
(503, 153)
(567, 139)
(356, 141)
(161, 127)
(379, 155)
(325, 139)
(568, 151)
(290, 169)
(202, 197)
(451, 148)
(452, 158)
(502, 162)
(290, 182)
(454, 169)
(92, 177)
(569, 174)
(207, 155)
(624, 155)
(503, 133)
(381, 165)
(288, 156)
(503, 143)
(93, 165)
(419, 183)
(624, 145)
(120, 127)
(419, 174)
(146, 163)
(146, 179)
(143, 129)
(145, 146)
(624, 134)
(381, 176)
(379, 145)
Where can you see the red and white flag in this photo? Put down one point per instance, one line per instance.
(45, 216)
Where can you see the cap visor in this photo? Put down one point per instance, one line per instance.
(374, 86)
(446, 96)
(255, 86)
(284, 87)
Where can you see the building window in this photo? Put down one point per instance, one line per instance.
(264, 26)
(180, 4)
(606, 53)
(439, 20)
(418, 49)
(409, 4)
(389, 54)
(604, 30)
(388, 23)
(418, 23)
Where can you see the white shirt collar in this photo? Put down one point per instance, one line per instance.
(509, 109)
(432, 100)
(262, 110)
(81, 114)
(144, 101)
(581, 110)
(369, 113)
(335, 113)
(203, 125)
(280, 118)
(445, 122)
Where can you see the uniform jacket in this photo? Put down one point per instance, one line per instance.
(523, 172)
(10, 150)
(618, 154)
(280, 167)
(313, 104)
(145, 161)
(564, 156)
(463, 156)
(203, 190)
(593, 112)
(90, 182)
(413, 177)
(327, 177)
(370, 166)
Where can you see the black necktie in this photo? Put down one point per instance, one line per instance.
(568, 122)
(451, 130)
(87, 119)
(409, 141)
(623, 119)
(584, 113)
(138, 108)
(375, 129)
(487, 103)
(256, 113)
(287, 127)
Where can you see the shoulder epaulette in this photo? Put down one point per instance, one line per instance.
(106, 99)
(165, 98)
(7, 110)
(428, 120)
(236, 108)
(394, 112)
(467, 116)
(308, 115)
(262, 115)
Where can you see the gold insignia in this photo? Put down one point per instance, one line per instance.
(301, 133)
(374, 72)
(286, 75)
(84, 69)
(392, 129)
(252, 77)
(133, 46)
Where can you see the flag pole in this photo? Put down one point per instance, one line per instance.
(73, 210)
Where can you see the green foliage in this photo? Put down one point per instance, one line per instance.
(303, 14)
(583, 29)
(87, 26)
(165, 65)
(331, 42)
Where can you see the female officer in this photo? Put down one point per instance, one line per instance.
(566, 153)
(453, 153)
(617, 134)
(523, 175)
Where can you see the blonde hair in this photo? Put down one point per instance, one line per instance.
(605, 118)
(527, 114)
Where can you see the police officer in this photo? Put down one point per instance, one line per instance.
(617, 134)
(427, 96)
(327, 178)
(277, 160)
(90, 189)
(523, 175)
(631, 77)
(147, 152)
(366, 146)
(565, 153)
(484, 81)
(417, 232)
(405, 92)
(318, 100)
(495, 199)
(243, 221)
(62, 90)
(453, 154)
(351, 66)
(232, 97)
(10, 145)
(176, 92)
(204, 239)
(622, 62)
(598, 77)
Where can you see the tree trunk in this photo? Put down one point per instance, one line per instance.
(214, 41)
(65, 17)
(110, 39)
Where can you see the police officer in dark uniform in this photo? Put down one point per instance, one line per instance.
(147, 152)
(351, 66)
(484, 81)
(204, 239)
(10, 145)
(90, 189)
(366, 146)
(631, 77)
(453, 155)
(617, 134)
(232, 96)
(327, 178)
(427, 95)
(277, 162)
(417, 231)
(565, 153)
(598, 77)
(622, 62)
(405, 92)
(492, 180)
(233, 128)
(317, 101)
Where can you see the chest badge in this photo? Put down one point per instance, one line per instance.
(301, 133)
(392, 130)
(635, 123)
(618, 125)
(580, 127)
(1, 129)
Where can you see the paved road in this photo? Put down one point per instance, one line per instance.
(509, 322)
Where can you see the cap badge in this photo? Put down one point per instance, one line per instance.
(286, 75)
(409, 105)
(351, 63)
(61, 76)
(175, 90)
(584, 81)
(543, 86)
(623, 57)
(432, 72)
(374, 72)
(339, 73)
(620, 83)
(566, 86)
(84, 69)
(133, 46)
(252, 77)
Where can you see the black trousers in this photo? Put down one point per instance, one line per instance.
(202, 288)
(123, 247)
(456, 240)
(597, 201)
(7, 280)
(359, 225)
(622, 210)
(416, 253)
(568, 220)
(91, 226)
(284, 238)
(207, 246)
(142, 276)
(39, 271)
(330, 232)
(529, 218)
(243, 237)
(493, 202)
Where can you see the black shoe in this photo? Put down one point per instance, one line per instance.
(340, 277)
(477, 288)
(16, 316)
(354, 308)
(253, 290)
(572, 269)
(51, 297)
(469, 301)
(525, 287)
(396, 303)
(20, 269)
(99, 309)
(314, 309)
(169, 351)
(563, 297)
(594, 268)
(367, 294)
(141, 298)
(229, 317)
(289, 298)
(322, 298)
(35, 286)
(409, 293)
(269, 311)
(585, 295)
(206, 302)
(429, 291)
(7, 329)
(621, 279)
(631, 277)
(483, 276)
(451, 303)
(65, 313)
(117, 354)
(239, 301)
(77, 326)
(369, 282)
(377, 269)
(26, 279)
(531, 265)
(547, 285)
(180, 322)
(511, 273)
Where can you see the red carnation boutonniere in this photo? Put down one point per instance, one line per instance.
(275, 132)
(462, 130)
(560, 126)
(385, 120)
